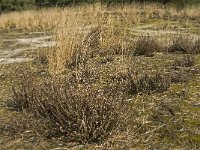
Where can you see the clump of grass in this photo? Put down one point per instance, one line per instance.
(123, 83)
(179, 75)
(79, 112)
(140, 84)
(182, 69)
(42, 57)
(186, 61)
(183, 44)
(146, 46)
(197, 46)
(153, 83)
(177, 46)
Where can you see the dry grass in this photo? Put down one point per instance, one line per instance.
(186, 61)
(79, 34)
(185, 45)
(31, 19)
(92, 89)
(131, 14)
(147, 46)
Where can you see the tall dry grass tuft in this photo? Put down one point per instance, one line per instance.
(84, 37)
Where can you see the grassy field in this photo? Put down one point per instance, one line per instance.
(97, 77)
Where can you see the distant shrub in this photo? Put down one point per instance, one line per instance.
(184, 45)
(146, 46)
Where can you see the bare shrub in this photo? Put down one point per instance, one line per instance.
(146, 46)
(79, 112)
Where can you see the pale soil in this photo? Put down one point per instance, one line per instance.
(10, 47)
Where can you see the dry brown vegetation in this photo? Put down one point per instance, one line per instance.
(129, 14)
(105, 85)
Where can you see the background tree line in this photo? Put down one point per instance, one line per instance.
(12, 5)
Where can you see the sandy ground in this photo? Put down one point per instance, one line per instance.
(10, 47)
